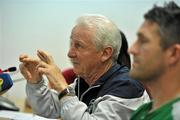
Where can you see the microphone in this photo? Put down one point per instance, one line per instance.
(5, 82)
(11, 69)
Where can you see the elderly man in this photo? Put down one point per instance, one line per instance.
(157, 63)
(102, 91)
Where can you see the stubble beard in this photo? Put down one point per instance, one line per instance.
(146, 75)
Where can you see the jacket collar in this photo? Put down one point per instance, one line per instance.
(110, 73)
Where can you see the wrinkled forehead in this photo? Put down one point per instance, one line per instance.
(82, 31)
(83, 27)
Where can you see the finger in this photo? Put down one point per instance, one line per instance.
(21, 57)
(24, 71)
(42, 65)
(44, 56)
(30, 60)
(42, 70)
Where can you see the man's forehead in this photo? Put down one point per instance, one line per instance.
(148, 27)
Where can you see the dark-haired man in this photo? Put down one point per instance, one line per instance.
(157, 63)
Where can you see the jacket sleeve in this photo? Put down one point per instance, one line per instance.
(102, 109)
(45, 103)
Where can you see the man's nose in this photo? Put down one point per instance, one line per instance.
(71, 53)
(133, 49)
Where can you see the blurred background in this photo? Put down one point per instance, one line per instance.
(28, 25)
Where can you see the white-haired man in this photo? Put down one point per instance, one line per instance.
(103, 89)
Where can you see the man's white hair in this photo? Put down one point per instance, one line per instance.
(107, 33)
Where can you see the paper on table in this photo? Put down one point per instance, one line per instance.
(21, 116)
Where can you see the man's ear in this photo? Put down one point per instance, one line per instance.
(173, 54)
(107, 53)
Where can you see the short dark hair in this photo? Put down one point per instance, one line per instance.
(168, 19)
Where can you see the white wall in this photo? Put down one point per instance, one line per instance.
(0, 35)
(28, 25)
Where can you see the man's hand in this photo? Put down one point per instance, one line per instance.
(29, 70)
(50, 69)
